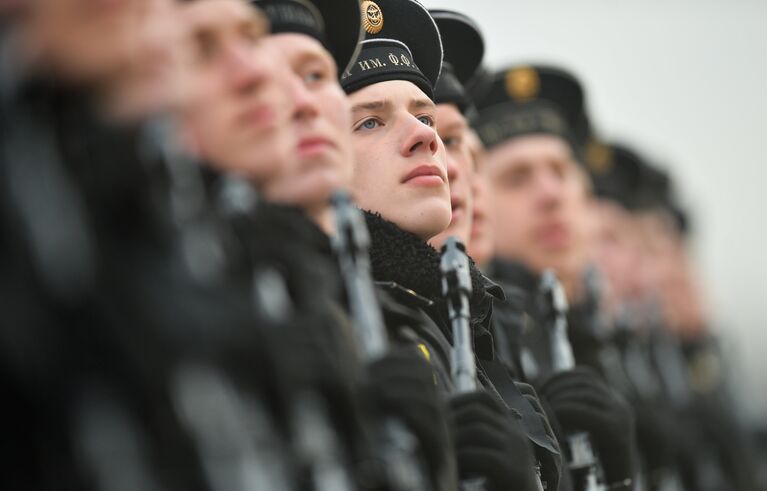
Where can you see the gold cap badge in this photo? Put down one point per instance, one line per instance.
(372, 17)
(522, 83)
(599, 157)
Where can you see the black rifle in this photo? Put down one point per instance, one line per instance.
(397, 445)
(553, 303)
(352, 242)
(456, 288)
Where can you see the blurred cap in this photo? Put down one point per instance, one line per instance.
(334, 23)
(620, 174)
(531, 99)
(463, 51)
(616, 172)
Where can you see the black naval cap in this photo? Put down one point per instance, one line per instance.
(401, 42)
(480, 83)
(532, 99)
(656, 189)
(463, 48)
(334, 23)
(657, 193)
(622, 175)
(616, 172)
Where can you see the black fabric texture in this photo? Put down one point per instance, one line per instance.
(488, 444)
(550, 86)
(582, 402)
(404, 258)
(551, 464)
(450, 91)
(534, 421)
(383, 60)
(402, 385)
(408, 22)
(519, 319)
(461, 41)
(335, 23)
(585, 334)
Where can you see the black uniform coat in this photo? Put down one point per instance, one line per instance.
(408, 269)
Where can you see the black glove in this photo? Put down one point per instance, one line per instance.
(402, 385)
(660, 436)
(489, 444)
(551, 464)
(581, 401)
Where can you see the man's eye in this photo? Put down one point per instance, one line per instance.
(314, 77)
(427, 120)
(369, 124)
(253, 35)
(516, 178)
(452, 141)
(206, 47)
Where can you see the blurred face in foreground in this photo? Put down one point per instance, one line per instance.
(400, 168)
(482, 223)
(541, 204)
(320, 159)
(239, 114)
(88, 41)
(156, 76)
(453, 130)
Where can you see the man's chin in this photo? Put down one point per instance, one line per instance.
(458, 230)
(308, 191)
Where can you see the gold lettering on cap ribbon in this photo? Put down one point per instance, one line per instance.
(372, 17)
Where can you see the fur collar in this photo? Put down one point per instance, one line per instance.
(404, 258)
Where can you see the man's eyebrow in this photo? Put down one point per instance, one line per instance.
(371, 106)
(422, 104)
(253, 24)
(458, 125)
(316, 53)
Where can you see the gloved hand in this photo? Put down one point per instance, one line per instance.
(489, 444)
(402, 385)
(581, 401)
(551, 464)
(658, 435)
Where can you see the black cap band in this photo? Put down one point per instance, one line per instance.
(449, 89)
(294, 16)
(508, 120)
(381, 60)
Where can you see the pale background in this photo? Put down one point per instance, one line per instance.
(685, 81)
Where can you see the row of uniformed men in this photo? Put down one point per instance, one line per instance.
(185, 306)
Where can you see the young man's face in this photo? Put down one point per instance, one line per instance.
(616, 252)
(400, 166)
(321, 157)
(452, 130)
(237, 119)
(156, 76)
(540, 200)
(663, 263)
(481, 241)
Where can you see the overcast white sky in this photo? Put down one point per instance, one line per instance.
(685, 82)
